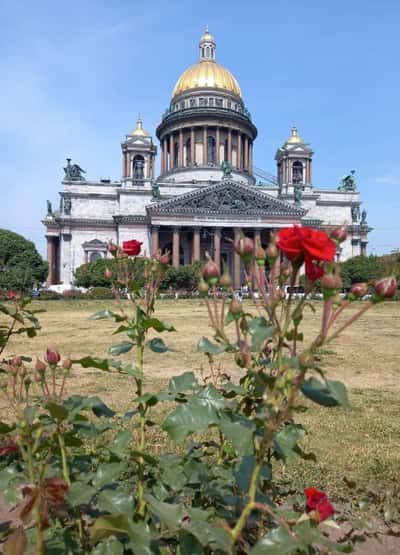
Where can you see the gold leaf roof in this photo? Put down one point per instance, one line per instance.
(207, 74)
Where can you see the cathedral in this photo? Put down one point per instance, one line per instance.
(208, 188)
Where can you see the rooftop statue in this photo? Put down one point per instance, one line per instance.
(363, 217)
(155, 189)
(226, 169)
(355, 214)
(73, 172)
(298, 193)
(348, 183)
(49, 209)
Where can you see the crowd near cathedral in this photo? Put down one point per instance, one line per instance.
(207, 191)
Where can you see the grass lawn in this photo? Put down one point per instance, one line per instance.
(362, 444)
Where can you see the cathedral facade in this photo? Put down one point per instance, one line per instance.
(208, 188)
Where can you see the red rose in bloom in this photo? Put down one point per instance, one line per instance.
(131, 248)
(308, 245)
(317, 500)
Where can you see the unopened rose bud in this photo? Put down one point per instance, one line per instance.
(306, 359)
(52, 357)
(16, 361)
(339, 233)
(112, 248)
(108, 274)
(27, 383)
(244, 246)
(271, 251)
(331, 281)
(211, 272)
(40, 366)
(359, 289)
(225, 280)
(236, 308)
(202, 287)
(386, 287)
(66, 363)
(260, 255)
(165, 258)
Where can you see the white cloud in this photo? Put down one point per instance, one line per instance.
(386, 180)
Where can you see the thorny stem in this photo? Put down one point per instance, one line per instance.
(142, 440)
(64, 462)
(241, 523)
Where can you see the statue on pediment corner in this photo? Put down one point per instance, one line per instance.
(348, 183)
(298, 194)
(49, 209)
(355, 214)
(226, 169)
(73, 172)
(155, 190)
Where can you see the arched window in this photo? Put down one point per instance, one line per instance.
(210, 150)
(297, 172)
(138, 167)
(176, 154)
(95, 256)
(188, 145)
(207, 52)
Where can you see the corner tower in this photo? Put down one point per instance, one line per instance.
(138, 156)
(207, 123)
(294, 161)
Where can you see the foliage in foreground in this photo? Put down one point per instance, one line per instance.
(77, 477)
(21, 266)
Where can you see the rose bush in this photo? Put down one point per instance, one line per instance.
(77, 477)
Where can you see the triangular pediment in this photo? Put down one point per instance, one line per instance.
(227, 198)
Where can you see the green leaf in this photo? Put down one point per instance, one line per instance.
(120, 443)
(108, 525)
(259, 330)
(110, 546)
(108, 314)
(58, 412)
(157, 325)
(286, 439)
(276, 541)
(80, 494)
(116, 501)
(121, 348)
(184, 382)
(205, 346)
(108, 474)
(239, 431)
(200, 412)
(93, 362)
(5, 428)
(169, 514)
(329, 394)
(158, 346)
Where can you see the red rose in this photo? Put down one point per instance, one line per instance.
(132, 248)
(317, 500)
(309, 245)
(52, 356)
(11, 295)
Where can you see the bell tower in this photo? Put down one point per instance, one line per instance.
(138, 156)
(294, 161)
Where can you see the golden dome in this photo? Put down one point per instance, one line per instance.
(206, 74)
(294, 138)
(139, 131)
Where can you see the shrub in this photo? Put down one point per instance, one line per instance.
(183, 277)
(100, 293)
(49, 295)
(21, 266)
(73, 294)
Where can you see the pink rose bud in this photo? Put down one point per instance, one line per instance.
(211, 272)
(260, 255)
(359, 289)
(244, 246)
(52, 357)
(339, 233)
(108, 274)
(271, 251)
(66, 363)
(112, 248)
(226, 280)
(165, 258)
(386, 287)
(40, 365)
(202, 287)
(236, 308)
(331, 281)
(16, 361)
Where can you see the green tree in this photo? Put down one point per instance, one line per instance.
(362, 269)
(92, 273)
(21, 266)
(183, 277)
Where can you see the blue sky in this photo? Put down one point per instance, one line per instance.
(76, 74)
